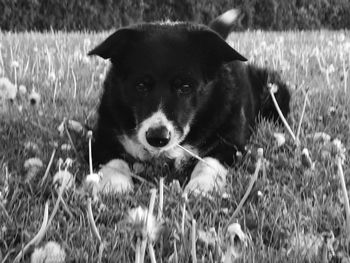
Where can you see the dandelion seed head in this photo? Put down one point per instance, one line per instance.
(33, 162)
(14, 64)
(52, 76)
(138, 218)
(22, 89)
(52, 252)
(63, 177)
(94, 178)
(8, 90)
(273, 87)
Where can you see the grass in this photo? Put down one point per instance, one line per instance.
(290, 201)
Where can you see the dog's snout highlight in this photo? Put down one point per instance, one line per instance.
(158, 136)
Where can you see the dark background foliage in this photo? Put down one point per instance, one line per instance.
(19, 15)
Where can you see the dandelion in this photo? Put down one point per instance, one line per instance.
(207, 237)
(52, 76)
(22, 89)
(52, 252)
(32, 167)
(63, 177)
(341, 37)
(34, 98)
(31, 146)
(87, 42)
(66, 147)
(147, 228)
(14, 64)
(75, 126)
(8, 90)
(237, 241)
(138, 218)
(306, 159)
(280, 138)
(60, 127)
(340, 149)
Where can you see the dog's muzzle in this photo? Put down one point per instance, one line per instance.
(158, 136)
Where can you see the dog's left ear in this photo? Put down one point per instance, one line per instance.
(114, 46)
(214, 48)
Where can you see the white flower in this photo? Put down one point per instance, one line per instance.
(34, 97)
(32, 162)
(236, 240)
(273, 87)
(306, 159)
(52, 76)
(7, 89)
(94, 178)
(66, 147)
(14, 64)
(340, 149)
(138, 217)
(87, 42)
(60, 127)
(280, 138)
(75, 126)
(341, 37)
(32, 167)
(22, 89)
(330, 68)
(52, 252)
(31, 146)
(208, 237)
(63, 177)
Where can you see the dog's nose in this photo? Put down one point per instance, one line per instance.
(158, 136)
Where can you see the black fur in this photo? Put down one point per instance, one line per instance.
(224, 99)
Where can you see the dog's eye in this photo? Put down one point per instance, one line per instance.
(142, 87)
(184, 89)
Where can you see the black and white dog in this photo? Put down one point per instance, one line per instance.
(175, 88)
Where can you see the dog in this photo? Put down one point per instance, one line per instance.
(176, 90)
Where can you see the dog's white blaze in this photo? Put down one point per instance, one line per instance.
(138, 147)
(159, 119)
(134, 148)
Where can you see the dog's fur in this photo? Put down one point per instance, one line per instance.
(182, 82)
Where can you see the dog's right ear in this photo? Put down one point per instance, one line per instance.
(114, 46)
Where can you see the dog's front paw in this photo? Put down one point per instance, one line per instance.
(207, 176)
(115, 177)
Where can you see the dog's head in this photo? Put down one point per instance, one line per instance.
(163, 71)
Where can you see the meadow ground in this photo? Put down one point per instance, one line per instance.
(290, 214)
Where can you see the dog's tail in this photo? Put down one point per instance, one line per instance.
(261, 78)
(223, 23)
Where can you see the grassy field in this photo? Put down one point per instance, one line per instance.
(291, 213)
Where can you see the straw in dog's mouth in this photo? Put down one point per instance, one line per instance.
(196, 156)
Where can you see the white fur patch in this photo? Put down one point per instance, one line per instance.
(138, 151)
(115, 177)
(138, 147)
(155, 120)
(133, 147)
(207, 177)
